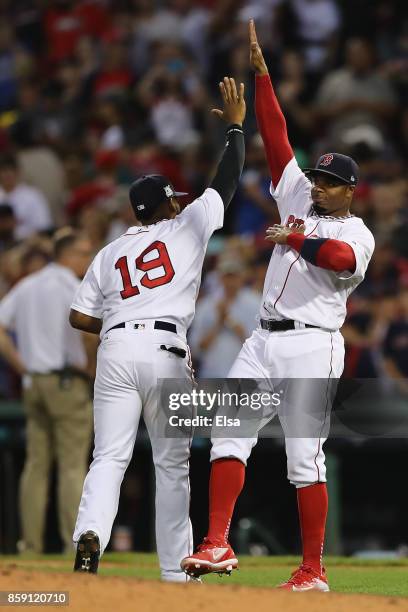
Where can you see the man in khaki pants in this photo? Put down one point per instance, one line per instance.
(55, 361)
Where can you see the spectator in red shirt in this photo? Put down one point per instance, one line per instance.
(115, 77)
(65, 22)
(100, 189)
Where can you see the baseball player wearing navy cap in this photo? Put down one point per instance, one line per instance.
(149, 192)
(139, 294)
(320, 255)
(335, 165)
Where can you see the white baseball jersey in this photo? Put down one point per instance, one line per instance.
(296, 289)
(153, 271)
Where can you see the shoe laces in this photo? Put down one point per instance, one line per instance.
(207, 544)
(303, 572)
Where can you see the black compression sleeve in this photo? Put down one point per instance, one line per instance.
(230, 165)
(311, 248)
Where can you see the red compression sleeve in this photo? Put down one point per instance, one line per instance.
(332, 254)
(226, 483)
(272, 126)
(313, 505)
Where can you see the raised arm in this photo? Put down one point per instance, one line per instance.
(271, 121)
(229, 169)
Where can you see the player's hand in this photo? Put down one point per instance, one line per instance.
(234, 102)
(255, 52)
(279, 233)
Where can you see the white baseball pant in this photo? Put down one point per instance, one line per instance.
(130, 361)
(302, 354)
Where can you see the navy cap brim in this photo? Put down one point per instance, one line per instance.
(319, 171)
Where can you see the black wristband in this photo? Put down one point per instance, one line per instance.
(235, 127)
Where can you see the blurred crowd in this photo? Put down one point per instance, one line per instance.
(95, 93)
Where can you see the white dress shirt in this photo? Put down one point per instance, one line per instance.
(37, 309)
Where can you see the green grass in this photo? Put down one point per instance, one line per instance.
(346, 575)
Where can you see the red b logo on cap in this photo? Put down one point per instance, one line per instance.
(327, 160)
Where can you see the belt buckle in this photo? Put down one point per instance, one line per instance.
(139, 326)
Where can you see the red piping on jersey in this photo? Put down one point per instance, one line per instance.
(190, 440)
(272, 126)
(333, 254)
(327, 402)
(290, 268)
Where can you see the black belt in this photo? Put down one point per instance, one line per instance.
(281, 325)
(157, 325)
(66, 372)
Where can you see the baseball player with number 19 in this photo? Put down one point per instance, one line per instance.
(321, 254)
(139, 294)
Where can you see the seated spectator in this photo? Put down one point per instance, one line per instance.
(94, 223)
(147, 157)
(40, 166)
(295, 92)
(254, 207)
(15, 63)
(110, 117)
(355, 95)
(65, 22)
(114, 77)
(396, 345)
(164, 94)
(364, 331)
(383, 274)
(222, 323)
(29, 205)
(97, 190)
(388, 201)
(317, 23)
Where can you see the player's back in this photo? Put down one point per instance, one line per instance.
(154, 271)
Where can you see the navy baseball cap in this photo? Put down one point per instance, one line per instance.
(148, 192)
(342, 167)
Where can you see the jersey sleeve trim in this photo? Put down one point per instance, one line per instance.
(97, 314)
(362, 253)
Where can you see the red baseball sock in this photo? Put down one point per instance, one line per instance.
(312, 505)
(226, 482)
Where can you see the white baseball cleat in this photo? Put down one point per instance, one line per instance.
(210, 558)
(305, 578)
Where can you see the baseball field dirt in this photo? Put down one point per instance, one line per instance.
(122, 593)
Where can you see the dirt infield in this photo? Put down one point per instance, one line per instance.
(104, 593)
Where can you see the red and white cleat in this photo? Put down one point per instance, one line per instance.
(305, 578)
(216, 558)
